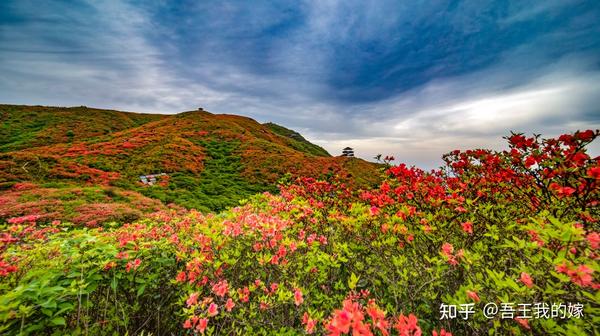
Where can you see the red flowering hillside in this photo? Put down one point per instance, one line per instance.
(495, 243)
(210, 161)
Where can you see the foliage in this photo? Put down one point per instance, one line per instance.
(322, 257)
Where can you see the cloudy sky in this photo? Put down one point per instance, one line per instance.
(414, 79)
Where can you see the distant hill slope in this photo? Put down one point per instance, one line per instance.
(299, 142)
(211, 160)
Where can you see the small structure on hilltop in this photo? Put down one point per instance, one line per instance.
(348, 152)
(150, 179)
(200, 109)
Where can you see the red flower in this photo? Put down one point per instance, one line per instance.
(562, 268)
(408, 325)
(530, 161)
(442, 333)
(526, 279)
(187, 324)
(594, 172)
(473, 295)
(202, 324)
(244, 294)
(180, 276)
(579, 158)
(562, 191)
(6, 268)
(467, 227)
(585, 135)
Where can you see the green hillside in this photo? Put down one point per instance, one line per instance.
(298, 142)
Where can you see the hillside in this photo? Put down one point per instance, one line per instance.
(210, 161)
(300, 143)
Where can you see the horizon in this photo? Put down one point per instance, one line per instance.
(410, 81)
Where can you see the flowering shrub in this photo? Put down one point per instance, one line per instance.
(516, 226)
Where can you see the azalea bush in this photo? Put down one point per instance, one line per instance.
(518, 226)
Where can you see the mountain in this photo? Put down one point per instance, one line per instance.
(207, 161)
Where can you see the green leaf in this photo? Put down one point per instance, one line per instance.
(352, 281)
(58, 321)
(141, 289)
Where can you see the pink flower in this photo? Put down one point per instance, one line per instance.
(374, 211)
(263, 305)
(582, 276)
(309, 323)
(212, 309)
(229, 305)
(526, 279)
(447, 249)
(593, 239)
(460, 209)
(192, 300)
(221, 288)
(298, 299)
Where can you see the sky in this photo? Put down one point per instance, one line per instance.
(412, 79)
